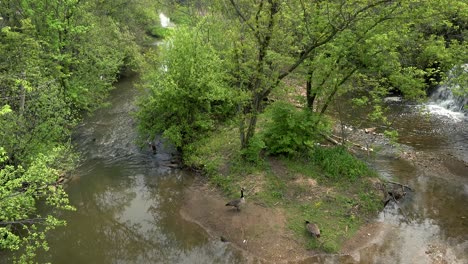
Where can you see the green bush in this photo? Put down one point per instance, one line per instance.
(290, 130)
(338, 164)
(253, 153)
(186, 90)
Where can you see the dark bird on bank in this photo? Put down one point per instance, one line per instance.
(237, 202)
(153, 147)
(312, 229)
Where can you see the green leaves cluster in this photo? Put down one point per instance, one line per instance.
(368, 49)
(58, 61)
(186, 93)
(291, 130)
(22, 226)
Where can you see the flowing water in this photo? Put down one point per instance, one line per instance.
(128, 199)
(165, 21)
(431, 225)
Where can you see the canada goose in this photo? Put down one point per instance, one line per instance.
(312, 229)
(237, 202)
(152, 146)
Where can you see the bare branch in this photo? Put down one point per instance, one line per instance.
(238, 11)
(24, 221)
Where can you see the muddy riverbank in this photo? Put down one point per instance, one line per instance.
(263, 234)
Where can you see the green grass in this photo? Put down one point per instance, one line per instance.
(275, 190)
(338, 164)
(339, 211)
(342, 200)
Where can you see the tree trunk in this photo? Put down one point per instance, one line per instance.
(335, 89)
(242, 128)
(22, 99)
(309, 94)
(250, 117)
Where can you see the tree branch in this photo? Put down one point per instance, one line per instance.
(24, 221)
(335, 29)
(238, 11)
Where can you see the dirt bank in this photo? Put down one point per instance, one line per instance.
(259, 231)
(262, 232)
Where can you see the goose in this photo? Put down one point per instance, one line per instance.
(152, 146)
(312, 229)
(237, 202)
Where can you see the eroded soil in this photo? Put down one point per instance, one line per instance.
(261, 232)
(257, 230)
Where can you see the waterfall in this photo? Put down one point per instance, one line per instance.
(443, 102)
(165, 21)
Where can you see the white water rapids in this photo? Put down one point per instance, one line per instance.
(444, 102)
(165, 21)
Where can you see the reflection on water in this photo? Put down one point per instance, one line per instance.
(128, 199)
(125, 216)
(431, 225)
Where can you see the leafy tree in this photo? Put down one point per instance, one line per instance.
(135, 17)
(59, 61)
(337, 46)
(186, 92)
(277, 37)
(22, 226)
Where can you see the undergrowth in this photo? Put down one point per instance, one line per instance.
(340, 202)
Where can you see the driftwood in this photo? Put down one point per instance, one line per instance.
(336, 142)
(330, 139)
(402, 185)
(394, 194)
(353, 143)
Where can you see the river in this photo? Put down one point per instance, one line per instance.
(431, 225)
(128, 199)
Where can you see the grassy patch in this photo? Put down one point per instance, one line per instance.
(274, 190)
(338, 164)
(327, 186)
(331, 215)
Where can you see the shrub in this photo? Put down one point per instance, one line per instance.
(290, 130)
(338, 164)
(158, 31)
(253, 153)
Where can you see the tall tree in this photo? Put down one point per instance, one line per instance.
(186, 92)
(58, 60)
(277, 37)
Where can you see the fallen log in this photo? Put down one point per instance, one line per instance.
(336, 142)
(402, 185)
(330, 139)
